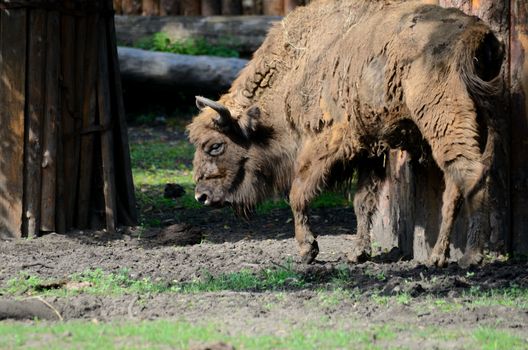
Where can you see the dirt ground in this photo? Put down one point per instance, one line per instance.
(228, 244)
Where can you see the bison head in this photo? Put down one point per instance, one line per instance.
(231, 164)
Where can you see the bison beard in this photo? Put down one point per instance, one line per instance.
(333, 87)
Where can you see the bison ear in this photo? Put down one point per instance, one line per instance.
(250, 121)
(223, 117)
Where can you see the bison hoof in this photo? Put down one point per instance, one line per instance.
(437, 259)
(470, 259)
(358, 255)
(309, 252)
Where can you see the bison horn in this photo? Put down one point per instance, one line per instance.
(224, 116)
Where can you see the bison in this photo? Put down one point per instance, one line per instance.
(333, 86)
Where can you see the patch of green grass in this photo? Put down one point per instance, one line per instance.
(181, 335)
(513, 296)
(327, 199)
(189, 46)
(494, 339)
(98, 282)
(155, 164)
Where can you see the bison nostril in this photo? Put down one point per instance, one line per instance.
(202, 198)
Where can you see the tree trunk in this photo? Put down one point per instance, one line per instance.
(231, 7)
(190, 7)
(178, 71)
(519, 130)
(211, 7)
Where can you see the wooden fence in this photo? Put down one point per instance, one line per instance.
(64, 158)
(205, 7)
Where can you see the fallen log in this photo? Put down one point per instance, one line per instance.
(242, 33)
(160, 69)
(28, 309)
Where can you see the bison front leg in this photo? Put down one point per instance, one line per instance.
(299, 200)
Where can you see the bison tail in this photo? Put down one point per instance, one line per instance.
(480, 58)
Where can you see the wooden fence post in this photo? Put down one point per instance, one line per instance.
(519, 130)
(211, 7)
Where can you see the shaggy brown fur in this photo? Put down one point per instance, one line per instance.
(333, 85)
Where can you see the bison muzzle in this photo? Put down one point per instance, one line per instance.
(336, 84)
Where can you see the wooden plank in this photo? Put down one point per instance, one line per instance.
(69, 123)
(128, 215)
(519, 129)
(12, 106)
(107, 139)
(211, 7)
(88, 112)
(190, 7)
(169, 7)
(51, 118)
(118, 6)
(231, 7)
(80, 63)
(131, 7)
(290, 5)
(273, 7)
(35, 98)
(150, 8)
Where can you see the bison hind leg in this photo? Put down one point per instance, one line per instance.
(370, 175)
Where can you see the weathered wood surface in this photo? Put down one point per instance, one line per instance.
(189, 7)
(166, 69)
(51, 119)
(12, 104)
(62, 116)
(35, 98)
(247, 32)
(519, 129)
(231, 7)
(211, 7)
(107, 138)
(127, 212)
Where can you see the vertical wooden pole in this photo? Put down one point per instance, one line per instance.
(273, 7)
(231, 7)
(290, 5)
(169, 7)
(68, 124)
(35, 98)
(107, 139)
(150, 8)
(190, 7)
(519, 129)
(211, 7)
(51, 118)
(88, 112)
(131, 7)
(125, 188)
(118, 7)
(12, 106)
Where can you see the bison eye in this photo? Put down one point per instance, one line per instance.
(216, 149)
